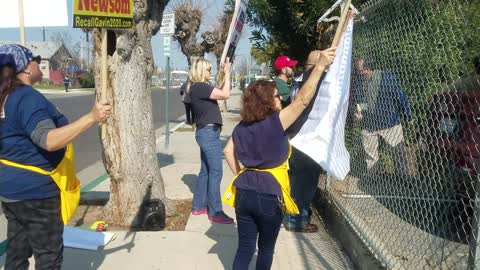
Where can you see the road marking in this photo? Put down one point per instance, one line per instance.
(93, 184)
(172, 130)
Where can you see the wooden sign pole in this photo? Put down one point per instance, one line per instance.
(104, 64)
(343, 20)
(103, 90)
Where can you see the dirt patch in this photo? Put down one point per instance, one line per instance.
(86, 215)
(185, 128)
(179, 221)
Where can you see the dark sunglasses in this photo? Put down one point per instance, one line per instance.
(277, 96)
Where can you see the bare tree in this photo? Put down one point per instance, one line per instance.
(188, 18)
(63, 37)
(243, 67)
(129, 139)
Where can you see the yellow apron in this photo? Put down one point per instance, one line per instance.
(65, 178)
(280, 174)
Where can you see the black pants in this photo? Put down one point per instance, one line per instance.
(189, 113)
(258, 217)
(304, 173)
(66, 87)
(34, 227)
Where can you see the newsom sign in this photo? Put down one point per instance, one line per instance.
(102, 13)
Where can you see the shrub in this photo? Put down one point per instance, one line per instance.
(88, 80)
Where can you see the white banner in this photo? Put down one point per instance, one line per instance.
(235, 30)
(322, 137)
(37, 13)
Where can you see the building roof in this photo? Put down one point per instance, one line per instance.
(179, 72)
(46, 49)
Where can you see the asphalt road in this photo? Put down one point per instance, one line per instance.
(87, 146)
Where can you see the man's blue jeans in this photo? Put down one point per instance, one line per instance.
(207, 187)
(258, 216)
(304, 173)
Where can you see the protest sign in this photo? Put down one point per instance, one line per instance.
(102, 13)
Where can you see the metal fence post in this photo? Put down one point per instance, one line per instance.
(474, 243)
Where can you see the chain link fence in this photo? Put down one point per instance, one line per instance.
(413, 132)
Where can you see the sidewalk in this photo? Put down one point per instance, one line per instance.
(203, 245)
(70, 91)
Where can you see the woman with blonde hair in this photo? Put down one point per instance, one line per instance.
(208, 120)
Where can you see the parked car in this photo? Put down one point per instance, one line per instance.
(450, 151)
(455, 119)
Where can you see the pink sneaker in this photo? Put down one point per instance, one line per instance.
(200, 212)
(221, 218)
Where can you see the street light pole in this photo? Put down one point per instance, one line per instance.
(248, 70)
(167, 121)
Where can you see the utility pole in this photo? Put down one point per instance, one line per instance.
(249, 61)
(82, 61)
(167, 120)
(88, 49)
(22, 22)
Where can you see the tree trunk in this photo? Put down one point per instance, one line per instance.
(129, 139)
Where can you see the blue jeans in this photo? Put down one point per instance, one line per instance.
(304, 173)
(207, 187)
(258, 215)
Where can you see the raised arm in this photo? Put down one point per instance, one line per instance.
(224, 93)
(59, 138)
(289, 114)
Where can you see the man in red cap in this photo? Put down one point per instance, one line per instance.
(284, 70)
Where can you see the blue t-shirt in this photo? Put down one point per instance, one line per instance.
(24, 109)
(260, 145)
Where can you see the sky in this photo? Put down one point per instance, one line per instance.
(212, 9)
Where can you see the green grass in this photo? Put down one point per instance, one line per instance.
(49, 86)
(3, 247)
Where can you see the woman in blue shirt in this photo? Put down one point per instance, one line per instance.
(33, 133)
(259, 142)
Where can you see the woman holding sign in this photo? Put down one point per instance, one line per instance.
(260, 191)
(208, 121)
(36, 162)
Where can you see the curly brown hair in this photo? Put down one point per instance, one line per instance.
(258, 101)
(8, 82)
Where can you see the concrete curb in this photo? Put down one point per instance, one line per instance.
(91, 197)
(352, 245)
(88, 196)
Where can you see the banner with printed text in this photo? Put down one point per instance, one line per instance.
(102, 13)
(235, 30)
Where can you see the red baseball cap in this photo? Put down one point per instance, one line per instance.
(284, 61)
